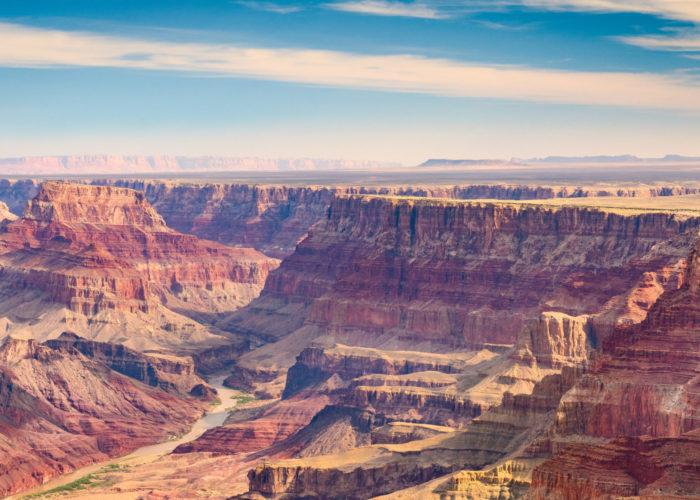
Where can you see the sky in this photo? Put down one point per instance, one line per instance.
(383, 80)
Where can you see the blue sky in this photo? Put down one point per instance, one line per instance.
(355, 79)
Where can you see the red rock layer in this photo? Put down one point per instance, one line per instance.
(628, 467)
(274, 219)
(272, 426)
(464, 274)
(60, 410)
(176, 375)
(94, 248)
(650, 370)
(79, 204)
(645, 381)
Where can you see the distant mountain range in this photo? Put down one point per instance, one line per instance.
(134, 165)
(442, 162)
(610, 159)
(117, 164)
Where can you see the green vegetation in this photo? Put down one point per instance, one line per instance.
(243, 399)
(114, 467)
(79, 484)
(83, 483)
(216, 402)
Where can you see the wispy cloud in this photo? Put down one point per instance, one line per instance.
(29, 47)
(388, 8)
(682, 10)
(679, 41)
(507, 27)
(270, 7)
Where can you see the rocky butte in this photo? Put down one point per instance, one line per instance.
(102, 262)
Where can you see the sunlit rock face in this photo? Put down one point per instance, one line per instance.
(274, 219)
(95, 259)
(642, 390)
(456, 329)
(379, 270)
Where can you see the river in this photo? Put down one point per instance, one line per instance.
(213, 418)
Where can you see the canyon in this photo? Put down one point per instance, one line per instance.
(274, 218)
(440, 341)
(451, 272)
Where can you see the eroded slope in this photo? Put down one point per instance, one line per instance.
(101, 261)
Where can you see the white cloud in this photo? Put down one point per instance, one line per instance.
(682, 10)
(22, 46)
(270, 7)
(682, 41)
(386, 8)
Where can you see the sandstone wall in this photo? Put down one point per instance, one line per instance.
(466, 274)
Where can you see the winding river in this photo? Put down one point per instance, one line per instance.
(213, 418)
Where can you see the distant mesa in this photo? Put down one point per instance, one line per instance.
(620, 159)
(553, 160)
(590, 159)
(443, 162)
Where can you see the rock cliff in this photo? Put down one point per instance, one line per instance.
(519, 296)
(627, 467)
(96, 259)
(60, 410)
(171, 374)
(274, 219)
(466, 274)
(5, 214)
(440, 349)
(645, 381)
(505, 430)
(80, 204)
(650, 370)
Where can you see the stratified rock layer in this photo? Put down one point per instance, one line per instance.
(385, 271)
(274, 219)
(536, 287)
(644, 382)
(384, 468)
(60, 410)
(169, 373)
(628, 467)
(96, 259)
